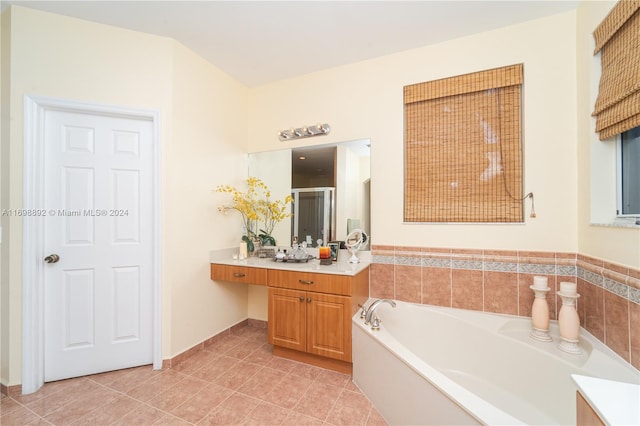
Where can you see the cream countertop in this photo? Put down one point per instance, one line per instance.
(340, 267)
(617, 403)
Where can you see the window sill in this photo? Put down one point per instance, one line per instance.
(621, 223)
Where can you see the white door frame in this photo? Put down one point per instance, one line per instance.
(35, 108)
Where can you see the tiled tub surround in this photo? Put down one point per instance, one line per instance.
(498, 281)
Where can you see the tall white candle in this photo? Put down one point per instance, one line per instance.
(243, 250)
(540, 282)
(569, 289)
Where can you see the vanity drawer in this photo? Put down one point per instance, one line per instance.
(309, 281)
(239, 274)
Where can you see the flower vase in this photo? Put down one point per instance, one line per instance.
(249, 241)
(257, 244)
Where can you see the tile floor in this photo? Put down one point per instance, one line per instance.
(234, 381)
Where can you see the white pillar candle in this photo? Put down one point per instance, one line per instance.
(569, 289)
(540, 282)
(243, 250)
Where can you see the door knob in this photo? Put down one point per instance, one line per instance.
(52, 258)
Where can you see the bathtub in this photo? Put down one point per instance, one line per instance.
(445, 366)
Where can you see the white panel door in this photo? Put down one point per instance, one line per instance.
(98, 310)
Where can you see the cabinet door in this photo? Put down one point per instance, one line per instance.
(329, 326)
(287, 318)
(585, 415)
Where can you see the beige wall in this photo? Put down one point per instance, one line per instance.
(5, 324)
(364, 100)
(596, 159)
(203, 143)
(207, 148)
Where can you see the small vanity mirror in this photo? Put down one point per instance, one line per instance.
(356, 240)
(330, 184)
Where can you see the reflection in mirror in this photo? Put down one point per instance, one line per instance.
(313, 184)
(313, 215)
(332, 181)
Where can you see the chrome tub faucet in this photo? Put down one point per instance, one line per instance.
(368, 313)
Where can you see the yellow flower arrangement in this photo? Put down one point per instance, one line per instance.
(255, 206)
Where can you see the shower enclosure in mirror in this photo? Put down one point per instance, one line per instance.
(313, 215)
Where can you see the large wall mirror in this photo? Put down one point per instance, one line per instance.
(330, 184)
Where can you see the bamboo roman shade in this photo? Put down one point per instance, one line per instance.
(617, 37)
(463, 154)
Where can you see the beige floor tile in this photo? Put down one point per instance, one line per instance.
(200, 404)
(261, 383)
(297, 419)
(214, 370)
(110, 413)
(235, 380)
(238, 375)
(351, 408)
(143, 416)
(155, 386)
(266, 414)
(318, 400)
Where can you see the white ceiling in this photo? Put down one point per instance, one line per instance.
(258, 42)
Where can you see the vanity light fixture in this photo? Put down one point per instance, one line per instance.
(304, 132)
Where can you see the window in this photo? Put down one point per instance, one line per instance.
(629, 173)
(617, 107)
(463, 149)
(616, 189)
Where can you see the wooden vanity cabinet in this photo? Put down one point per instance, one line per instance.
(310, 315)
(310, 322)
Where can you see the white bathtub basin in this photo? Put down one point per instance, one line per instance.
(434, 365)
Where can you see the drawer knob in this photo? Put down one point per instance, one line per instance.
(308, 300)
(238, 274)
(307, 282)
(301, 298)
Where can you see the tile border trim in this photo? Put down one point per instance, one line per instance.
(617, 279)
